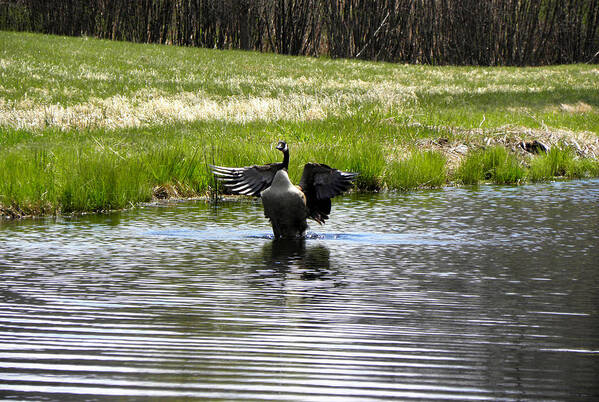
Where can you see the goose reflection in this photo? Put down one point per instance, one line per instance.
(292, 259)
(291, 255)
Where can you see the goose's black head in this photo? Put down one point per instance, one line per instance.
(282, 146)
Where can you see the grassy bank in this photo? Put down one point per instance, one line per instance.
(90, 125)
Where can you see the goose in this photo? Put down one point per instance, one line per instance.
(287, 206)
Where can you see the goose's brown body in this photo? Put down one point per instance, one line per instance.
(285, 205)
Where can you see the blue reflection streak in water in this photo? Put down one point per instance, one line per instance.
(358, 238)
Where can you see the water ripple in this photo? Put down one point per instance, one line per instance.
(459, 294)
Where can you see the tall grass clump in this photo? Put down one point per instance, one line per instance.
(554, 163)
(101, 182)
(27, 182)
(367, 159)
(493, 164)
(176, 170)
(420, 170)
(69, 180)
(583, 168)
(561, 162)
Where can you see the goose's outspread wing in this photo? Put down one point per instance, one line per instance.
(320, 183)
(285, 205)
(249, 180)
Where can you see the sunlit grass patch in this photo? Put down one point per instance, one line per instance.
(420, 170)
(561, 161)
(555, 163)
(69, 180)
(27, 182)
(583, 168)
(100, 183)
(79, 83)
(493, 164)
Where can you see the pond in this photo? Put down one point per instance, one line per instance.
(460, 293)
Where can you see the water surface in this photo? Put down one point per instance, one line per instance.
(461, 293)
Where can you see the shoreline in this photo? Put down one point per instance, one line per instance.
(227, 198)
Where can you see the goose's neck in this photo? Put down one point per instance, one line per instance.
(286, 159)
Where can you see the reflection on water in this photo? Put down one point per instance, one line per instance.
(487, 293)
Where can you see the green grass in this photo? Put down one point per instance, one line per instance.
(493, 164)
(91, 125)
(92, 182)
(421, 170)
(562, 161)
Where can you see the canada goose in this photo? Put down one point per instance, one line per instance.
(285, 205)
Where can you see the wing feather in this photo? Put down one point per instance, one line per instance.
(320, 183)
(249, 180)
